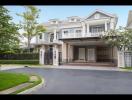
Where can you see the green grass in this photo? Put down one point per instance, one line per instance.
(30, 86)
(8, 80)
(127, 68)
(19, 62)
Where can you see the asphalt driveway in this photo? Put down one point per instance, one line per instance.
(75, 81)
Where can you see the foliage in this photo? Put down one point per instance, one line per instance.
(23, 56)
(121, 38)
(19, 61)
(8, 32)
(29, 24)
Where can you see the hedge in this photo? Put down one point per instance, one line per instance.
(25, 56)
(19, 61)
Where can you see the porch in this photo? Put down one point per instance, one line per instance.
(88, 53)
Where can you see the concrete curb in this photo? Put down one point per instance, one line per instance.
(33, 88)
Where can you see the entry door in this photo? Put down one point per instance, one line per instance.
(81, 53)
(91, 54)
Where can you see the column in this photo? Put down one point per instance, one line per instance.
(64, 53)
(121, 60)
(71, 53)
(41, 55)
(112, 24)
(55, 55)
(83, 29)
(105, 25)
(55, 35)
(87, 29)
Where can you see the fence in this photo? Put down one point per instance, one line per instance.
(32, 56)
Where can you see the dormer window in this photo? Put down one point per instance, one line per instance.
(96, 16)
(72, 19)
(54, 21)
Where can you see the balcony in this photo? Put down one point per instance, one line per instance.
(81, 35)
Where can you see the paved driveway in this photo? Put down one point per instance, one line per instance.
(75, 81)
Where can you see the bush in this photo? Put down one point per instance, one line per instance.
(32, 56)
(19, 61)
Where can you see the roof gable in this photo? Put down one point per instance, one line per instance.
(99, 14)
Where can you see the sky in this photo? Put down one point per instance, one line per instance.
(62, 12)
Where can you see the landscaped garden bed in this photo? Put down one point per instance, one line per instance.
(19, 61)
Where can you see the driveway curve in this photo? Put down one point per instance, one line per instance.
(75, 81)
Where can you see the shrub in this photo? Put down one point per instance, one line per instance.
(32, 56)
(19, 61)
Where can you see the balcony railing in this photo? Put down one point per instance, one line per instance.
(81, 35)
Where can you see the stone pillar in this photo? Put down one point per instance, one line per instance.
(121, 60)
(55, 55)
(64, 53)
(41, 55)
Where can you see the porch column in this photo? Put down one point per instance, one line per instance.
(64, 53)
(121, 60)
(83, 29)
(112, 24)
(55, 55)
(70, 53)
(87, 28)
(55, 35)
(41, 55)
(105, 25)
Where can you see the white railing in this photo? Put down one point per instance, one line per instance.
(81, 35)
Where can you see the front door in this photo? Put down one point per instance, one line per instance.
(81, 53)
(91, 54)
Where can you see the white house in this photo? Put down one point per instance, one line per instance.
(77, 40)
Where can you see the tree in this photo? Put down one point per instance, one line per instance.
(29, 25)
(121, 38)
(9, 36)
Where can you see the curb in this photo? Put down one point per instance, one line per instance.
(33, 88)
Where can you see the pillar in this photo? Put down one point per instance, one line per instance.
(55, 35)
(83, 29)
(121, 60)
(55, 55)
(105, 25)
(64, 53)
(41, 55)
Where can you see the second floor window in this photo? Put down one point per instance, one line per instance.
(51, 37)
(78, 31)
(65, 32)
(97, 28)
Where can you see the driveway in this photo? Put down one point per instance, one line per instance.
(75, 81)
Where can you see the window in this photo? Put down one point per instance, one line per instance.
(97, 28)
(65, 32)
(72, 20)
(40, 36)
(96, 16)
(78, 31)
(51, 37)
(71, 30)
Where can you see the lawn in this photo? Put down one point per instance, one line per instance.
(8, 80)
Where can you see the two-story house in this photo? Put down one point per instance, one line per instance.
(77, 40)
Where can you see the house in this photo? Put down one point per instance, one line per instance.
(125, 57)
(77, 40)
